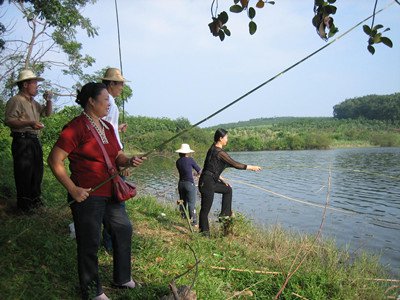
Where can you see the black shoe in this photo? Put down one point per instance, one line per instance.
(108, 249)
(205, 234)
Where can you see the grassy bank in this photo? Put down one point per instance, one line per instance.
(38, 259)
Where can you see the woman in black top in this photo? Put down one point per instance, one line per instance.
(211, 182)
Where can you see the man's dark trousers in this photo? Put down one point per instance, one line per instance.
(28, 170)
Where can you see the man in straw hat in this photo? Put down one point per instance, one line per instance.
(187, 190)
(114, 81)
(22, 115)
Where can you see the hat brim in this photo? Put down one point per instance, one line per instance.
(29, 78)
(184, 151)
(113, 79)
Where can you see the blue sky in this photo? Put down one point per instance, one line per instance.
(178, 69)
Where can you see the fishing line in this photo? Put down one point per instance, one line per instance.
(245, 95)
(335, 169)
(289, 198)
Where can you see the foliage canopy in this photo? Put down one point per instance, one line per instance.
(371, 107)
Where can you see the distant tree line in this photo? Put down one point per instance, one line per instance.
(371, 107)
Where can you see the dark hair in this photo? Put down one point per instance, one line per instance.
(107, 83)
(20, 84)
(91, 89)
(219, 133)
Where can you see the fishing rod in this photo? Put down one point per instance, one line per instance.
(120, 57)
(244, 95)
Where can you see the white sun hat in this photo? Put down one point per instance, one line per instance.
(185, 148)
(27, 74)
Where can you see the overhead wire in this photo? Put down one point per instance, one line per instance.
(120, 57)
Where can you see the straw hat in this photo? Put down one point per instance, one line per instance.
(114, 74)
(27, 74)
(185, 148)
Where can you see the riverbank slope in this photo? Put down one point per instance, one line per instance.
(39, 259)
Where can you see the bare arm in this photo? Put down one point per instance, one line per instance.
(253, 168)
(56, 162)
(122, 127)
(124, 161)
(49, 104)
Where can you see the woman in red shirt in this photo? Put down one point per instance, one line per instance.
(88, 169)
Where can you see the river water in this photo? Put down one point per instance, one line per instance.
(362, 186)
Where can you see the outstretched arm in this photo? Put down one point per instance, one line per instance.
(225, 157)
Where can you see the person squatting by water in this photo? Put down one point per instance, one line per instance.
(22, 115)
(211, 181)
(114, 81)
(89, 208)
(186, 187)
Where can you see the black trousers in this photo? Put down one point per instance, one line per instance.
(208, 186)
(88, 218)
(28, 171)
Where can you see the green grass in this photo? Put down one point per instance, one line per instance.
(38, 259)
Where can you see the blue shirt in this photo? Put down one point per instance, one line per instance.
(185, 165)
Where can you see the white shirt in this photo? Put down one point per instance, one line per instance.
(113, 116)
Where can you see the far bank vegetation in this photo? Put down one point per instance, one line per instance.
(360, 122)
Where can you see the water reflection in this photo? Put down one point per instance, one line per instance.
(364, 184)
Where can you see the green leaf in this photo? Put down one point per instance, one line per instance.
(319, 2)
(271, 2)
(367, 29)
(252, 12)
(331, 1)
(236, 1)
(221, 35)
(387, 29)
(252, 27)
(387, 41)
(332, 31)
(223, 17)
(330, 10)
(371, 49)
(226, 31)
(236, 9)
(379, 26)
(316, 20)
